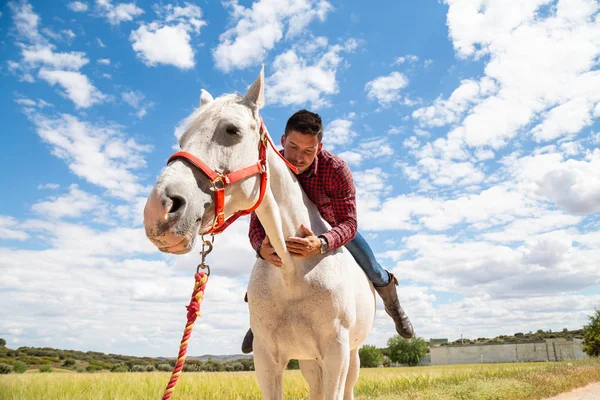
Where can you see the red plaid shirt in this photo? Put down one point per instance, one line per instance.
(328, 183)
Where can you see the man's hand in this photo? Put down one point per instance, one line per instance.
(306, 246)
(267, 251)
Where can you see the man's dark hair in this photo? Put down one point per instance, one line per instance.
(305, 122)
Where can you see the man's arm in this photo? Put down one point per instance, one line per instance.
(342, 198)
(256, 232)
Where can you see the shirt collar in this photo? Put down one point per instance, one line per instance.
(312, 170)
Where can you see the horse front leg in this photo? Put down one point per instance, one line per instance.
(269, 371)
(336, 361)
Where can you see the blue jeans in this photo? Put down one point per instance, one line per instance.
(362, 253)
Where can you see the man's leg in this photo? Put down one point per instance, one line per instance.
(384, 282)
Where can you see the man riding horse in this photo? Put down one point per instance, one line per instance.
(328, 182)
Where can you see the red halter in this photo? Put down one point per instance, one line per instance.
(219, 182)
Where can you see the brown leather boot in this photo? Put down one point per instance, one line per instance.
(249, 338)
(394, 309)
(247, 343)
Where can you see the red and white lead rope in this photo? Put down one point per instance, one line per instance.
(193, 312)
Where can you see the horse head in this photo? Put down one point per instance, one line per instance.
(224, 135)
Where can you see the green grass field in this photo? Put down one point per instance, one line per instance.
(477, 381)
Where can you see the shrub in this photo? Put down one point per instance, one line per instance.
(45, 368)
(150, 368)
(68, 363)
(370, 356)
(164, 367)
(407, 351)
(138, 368)
(5, 369)
(19, 366)
(120, 368)
(591, 336)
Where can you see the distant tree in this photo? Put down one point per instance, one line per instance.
(5, 369)
(248, 364)
(293, 364)
(19, 366)
(591, 335)
(370, 356)
(406, 351)
(234, 366)
(68, 363)
(138, 368)
(164, 367)
(540, 331)
(2, 342)
(150, 368)
(565, 330)
(120, 368)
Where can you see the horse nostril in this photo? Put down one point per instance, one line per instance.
(177, 204)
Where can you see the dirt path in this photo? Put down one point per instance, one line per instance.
(589, 392)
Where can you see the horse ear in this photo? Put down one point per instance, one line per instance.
(205, 97)
(256, 93)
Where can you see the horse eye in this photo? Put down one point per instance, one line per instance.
(232, 130)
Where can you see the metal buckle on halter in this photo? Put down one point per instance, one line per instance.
(219, 178)
(218, 217)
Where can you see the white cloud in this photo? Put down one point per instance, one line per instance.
(339, 132)
(351, 157)
(163, 45)
(168, 41)
(575, 184)
(100, 42)
(136, 100)
(26, 22)
(101, 155)
(72, 205)
(409, 58)
(122, 12)
(10, 229)
(301, 78)
(259, 28)
(476, 268)
(386, 89)
(395, 130)
(51, 186)
(45, 56)
(103, 61)
(567, 118)
(528, 52)
(77, 86)
(65, 35)
(450, 111)
(77, 6)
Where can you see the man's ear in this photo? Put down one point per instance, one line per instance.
(283, 140)
(320, 147)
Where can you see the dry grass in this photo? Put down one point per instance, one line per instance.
(464, 382)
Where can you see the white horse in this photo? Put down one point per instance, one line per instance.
(317, 310)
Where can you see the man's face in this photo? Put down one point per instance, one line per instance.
(300, 149)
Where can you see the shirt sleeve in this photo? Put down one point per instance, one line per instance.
(256, 232)
(342, 198)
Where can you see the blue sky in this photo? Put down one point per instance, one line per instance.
(471, 128)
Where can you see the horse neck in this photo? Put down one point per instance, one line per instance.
(284, 208)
